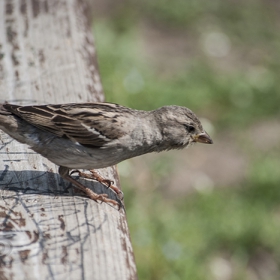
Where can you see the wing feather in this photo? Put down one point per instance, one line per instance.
(90, 124)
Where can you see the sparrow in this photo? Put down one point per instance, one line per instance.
(98, 135)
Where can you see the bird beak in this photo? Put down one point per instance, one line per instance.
(203, 138)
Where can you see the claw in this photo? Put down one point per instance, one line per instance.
(106, 182)
(64, 172)
(74, 171)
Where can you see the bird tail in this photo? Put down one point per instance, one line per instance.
(4, 111)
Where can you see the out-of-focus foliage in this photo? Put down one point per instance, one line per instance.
(222, 60)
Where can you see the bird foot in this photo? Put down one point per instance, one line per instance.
(64, 173)
(106, 182)
(101, 197)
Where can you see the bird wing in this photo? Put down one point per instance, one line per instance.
(90, 124)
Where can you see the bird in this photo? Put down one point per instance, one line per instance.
(96, 135)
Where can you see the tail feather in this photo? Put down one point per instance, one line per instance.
(3, 110)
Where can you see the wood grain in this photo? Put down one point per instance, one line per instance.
(47, 230)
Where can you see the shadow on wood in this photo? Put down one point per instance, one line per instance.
(35, 184)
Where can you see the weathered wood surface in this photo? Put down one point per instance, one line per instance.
(47, 230)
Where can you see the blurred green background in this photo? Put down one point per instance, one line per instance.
(212, 211)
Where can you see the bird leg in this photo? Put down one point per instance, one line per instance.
(64, 173)
(95, 176)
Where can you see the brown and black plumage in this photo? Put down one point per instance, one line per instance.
(97, 135)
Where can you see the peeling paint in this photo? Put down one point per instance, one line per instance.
(24, 254)
(35, 8)
(41, 56)
(9, 8)
(62, 225)
(64, 255)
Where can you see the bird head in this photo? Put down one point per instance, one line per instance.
(180, 127)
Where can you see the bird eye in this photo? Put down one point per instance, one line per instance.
(189, 128)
